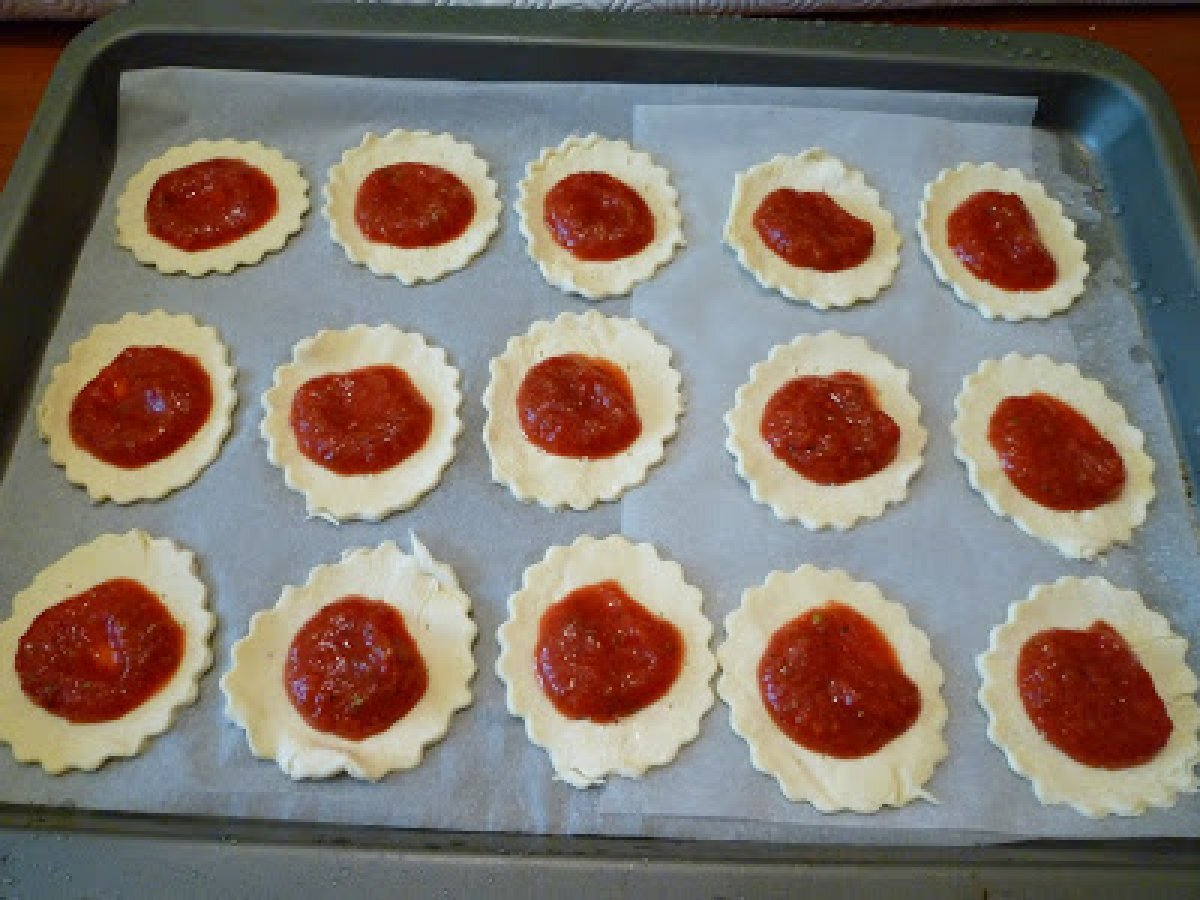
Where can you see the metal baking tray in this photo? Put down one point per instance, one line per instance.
(1110, 120)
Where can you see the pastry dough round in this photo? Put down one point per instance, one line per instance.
(410, 265)
(892, 776)
(372, 497)
(290, 184)
(87, 357)
(774, 482)
(582, 752)
(1077, 603)
(1080, 535)
(812, 170)
(951, 187)
(437, 614)
(162, 567)
(556, 481)
(593, 153)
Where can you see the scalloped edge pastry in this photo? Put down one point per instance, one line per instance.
(1079, 535)
(1057, 778)
(163, 567)
(582, 752)
(789, 494)
(950, 188)
(593, 153)
(85, 360)
(290, 184)
(531, 473)
(437, 614)
(410, 265)
(812, 170)
(893, 775)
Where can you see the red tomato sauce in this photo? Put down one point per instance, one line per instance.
(809, 230)
(994, 236)
(210, 204)
(413, 205)
(578, 406)
(597, 217)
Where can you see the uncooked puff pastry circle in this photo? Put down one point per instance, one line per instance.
(290, 185)
(372, 497)
(951, 187)
(774, 482)
(893, 775)
(87, 357)
(437, 614)
(1082, 534)
(636, 169)
(410, 265)
(1077, 603)
(812, 170)
(556, 481)
(582, 752)
(166, 570)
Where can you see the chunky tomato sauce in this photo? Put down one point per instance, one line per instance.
(413, 205)
(210, 204)
(578, 406)
(809, 230)
(597, 217)
(994, 236)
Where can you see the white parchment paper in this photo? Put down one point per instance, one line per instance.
(942, 553)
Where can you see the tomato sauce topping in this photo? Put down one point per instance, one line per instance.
(1053, 455)
(830, 429)
(597, 217)
(413, 205)
(101, 654)
(210, 204)
(142, 407)
(1089, 696)
(993, 234)
(353, 670)
(578, 406)
(360, 422)
(809, 230)
(602, 656)
(831, 682)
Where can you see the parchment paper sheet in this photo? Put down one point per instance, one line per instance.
(942, 553)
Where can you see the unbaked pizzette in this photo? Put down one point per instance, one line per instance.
(411, 204)
(599, 217)
(101, 651)
(1048, 448)
(835, 691)
(1001, 242)
(812, 228)
(359, 669)
(211, 206)
(605, 656)
(826, 431)
(579, 409)
(363, 421)
(1088, 695)
(140, 407)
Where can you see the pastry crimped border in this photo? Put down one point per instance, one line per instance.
(1077, 603)
(950, 188)
(582, 752)
(1080, 535)
(290, 185)
(597, 280)
(164, 568)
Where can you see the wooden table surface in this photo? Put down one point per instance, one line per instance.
(1165, 40)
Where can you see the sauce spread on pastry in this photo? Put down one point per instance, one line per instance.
(413, 205)
(210, 204)
(597, 217)
(993, 234)
(578, 406)
(810, 230)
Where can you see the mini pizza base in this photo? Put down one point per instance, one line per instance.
(337, 497)
(597, 280)
(1077, 603)
(892, 776)
(582, 752)
(1079, 535)
(290, 185)
(789, 494)
(87, 357)
(812, 170)
(410, 265)
(437, 614)
(165, 569)
(950, 188)
(531, 473)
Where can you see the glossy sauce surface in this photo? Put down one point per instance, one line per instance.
(413, 205)
(994, 236)
(810, 230)
(210, 204)
(597, 217)
(578, 406)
